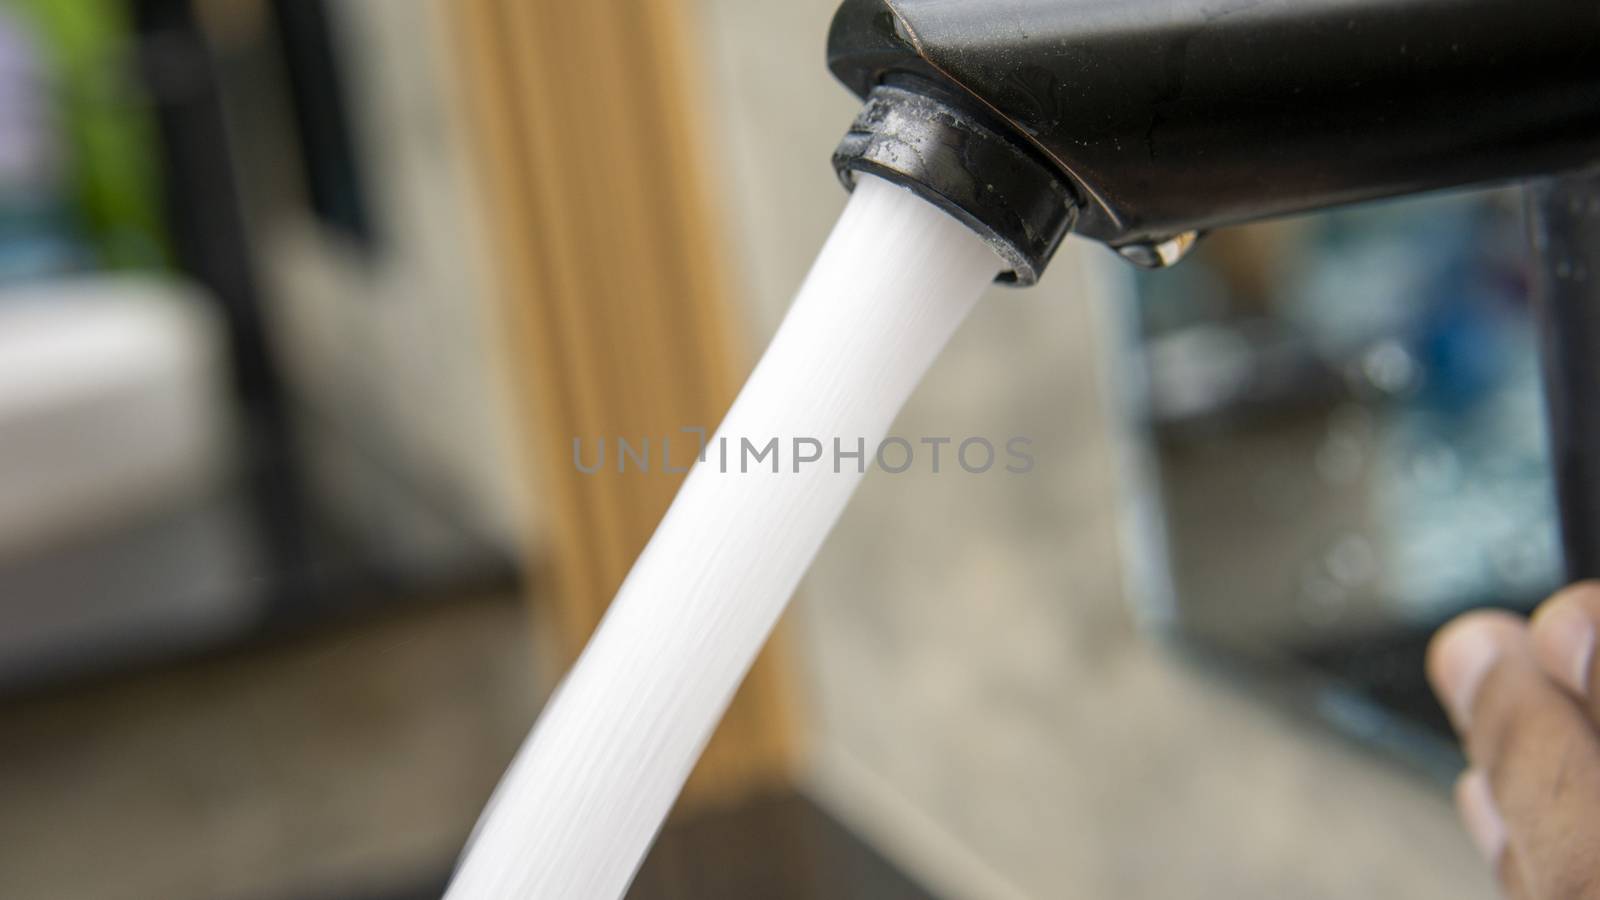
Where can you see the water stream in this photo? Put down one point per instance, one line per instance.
(577, 810)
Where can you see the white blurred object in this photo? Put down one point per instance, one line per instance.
(112, 404)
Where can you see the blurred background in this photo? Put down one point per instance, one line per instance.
(303, 302)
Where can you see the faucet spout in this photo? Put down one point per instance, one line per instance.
(1171, 117)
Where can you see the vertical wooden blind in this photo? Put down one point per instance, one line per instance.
(615, 301)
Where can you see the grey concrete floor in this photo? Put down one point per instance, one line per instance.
(350, 762)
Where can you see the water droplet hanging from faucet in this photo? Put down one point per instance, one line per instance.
(1159, 254)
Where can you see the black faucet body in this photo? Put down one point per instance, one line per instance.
(1142, 123)
(1165, 117)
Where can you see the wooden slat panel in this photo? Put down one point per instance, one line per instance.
(616, 309)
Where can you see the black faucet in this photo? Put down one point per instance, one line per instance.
(1144, 123)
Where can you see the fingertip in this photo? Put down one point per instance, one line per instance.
(1586, 592)
(1563, 631)
(1463, 652)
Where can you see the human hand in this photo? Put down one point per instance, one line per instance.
(1524, 695)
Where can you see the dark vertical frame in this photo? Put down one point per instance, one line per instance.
(210, 239)
(1564, 224)
(316, 81)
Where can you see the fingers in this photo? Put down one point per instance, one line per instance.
(1478, 812)
(1461, 655)
(1564, 631)
(1476, 806)
(1536, 750)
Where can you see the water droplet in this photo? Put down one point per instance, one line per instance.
(1159, 254)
